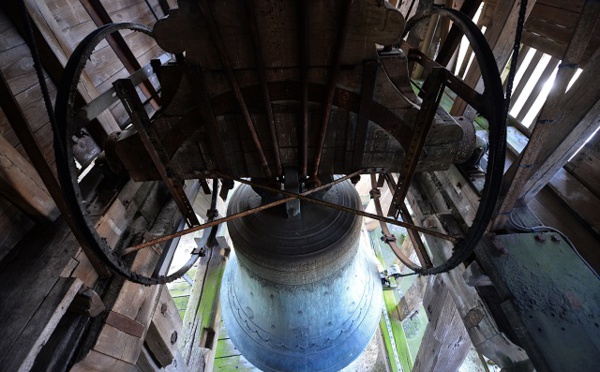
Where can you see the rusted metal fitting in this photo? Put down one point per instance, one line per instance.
(174, 337)
(388, 238)
(540, 237)
(555, 238)
(375, 193)
(212, 213)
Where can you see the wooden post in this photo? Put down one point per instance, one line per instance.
(165, 330)
(477, 319)
(563, 121)
(445, 343)
(20, 183)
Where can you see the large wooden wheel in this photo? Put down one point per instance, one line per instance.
(72, 118)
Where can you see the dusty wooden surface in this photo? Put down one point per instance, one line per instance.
(445, 343)
(31, 292)
(20, 183)
(164, 331)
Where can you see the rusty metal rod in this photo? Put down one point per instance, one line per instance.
(262, 77)
(214, 33)
(301, 196)
(333, 75)
(304, 62)
(433, 88)
(238, 215)
(420, 250)
(386, 231)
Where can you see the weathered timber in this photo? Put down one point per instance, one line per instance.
(203, 316)
(579, 199)
(121, 339)
(54, 45)
(412, 299)
(585, 166)
(14, 224)
(22, 354)
(445, 343)
(484, 333)
(165, 329)
(554, 311)
(561, 124)
(87, 302)
(20, 183)
(33, 297)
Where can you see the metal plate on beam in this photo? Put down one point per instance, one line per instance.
(556, 299)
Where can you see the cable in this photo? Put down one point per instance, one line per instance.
(515, 55)
(555, 230)
(410, 8)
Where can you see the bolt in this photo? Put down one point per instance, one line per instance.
(163, 309)
(174, 337)
(555, 238)
(540, 237)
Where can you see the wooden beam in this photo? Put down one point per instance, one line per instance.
(563, 120)
(500, 36)
(203, 315)
(22, 354)
(165, 330)
(20, 183)
(412, 299)
(121, 340)
(55, 50)
(585, 167)
(445, 343)
(27, 138)
(477, 319)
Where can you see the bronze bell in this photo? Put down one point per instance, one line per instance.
(300, 293)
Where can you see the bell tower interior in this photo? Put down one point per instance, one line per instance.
(277, 185)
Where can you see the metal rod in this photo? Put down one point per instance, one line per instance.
(433, 88)
(260, 67)
(424, 230)
(239, 215)
(333, 75)
(420, 250)
(304, 62)
(214, 33)
(386, 231)
(153, 145)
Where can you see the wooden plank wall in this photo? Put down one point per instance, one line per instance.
(104, 67)
(550, 27)
(16, 64)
